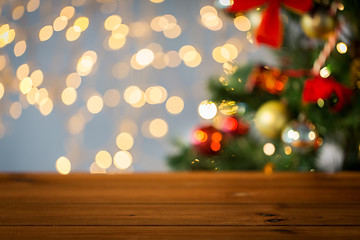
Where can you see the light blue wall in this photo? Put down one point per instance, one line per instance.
(34, 142)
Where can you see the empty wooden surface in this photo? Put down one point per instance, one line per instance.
(180, 206)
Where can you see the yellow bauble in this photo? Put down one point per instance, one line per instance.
(271, 118)
(318, 25)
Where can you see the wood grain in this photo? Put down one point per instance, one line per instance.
(179, 232)
(180, 205)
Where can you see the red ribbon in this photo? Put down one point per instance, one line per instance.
(270, 31)
(323, 88)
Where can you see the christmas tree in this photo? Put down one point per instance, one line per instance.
(300, 113)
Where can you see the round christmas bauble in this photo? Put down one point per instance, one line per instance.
(300, 135)
(271, 80)
(318, 24)
(330, 158)
(270, 118)
(207, 140)
(235, 126)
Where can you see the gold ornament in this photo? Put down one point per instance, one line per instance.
(270, 118)
(319, 24)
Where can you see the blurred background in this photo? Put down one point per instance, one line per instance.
(106, 86)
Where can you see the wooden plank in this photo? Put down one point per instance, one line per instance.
(181, 188)
(178, 232)
(180, 214)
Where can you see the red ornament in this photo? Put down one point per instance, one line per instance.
(235, 126)
(324, 88)
(270, 31)
(271, 80)
(207, 140)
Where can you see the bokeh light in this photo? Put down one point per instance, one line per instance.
(68, 12)
(120, 70)
(3, 62)
(25, 85)
(242, 23)
(76, 123)
(7, 35)
(46, 106)
(63, 165)
(60, 23)
(15, 110)
(103, 159)
(144, 57)
(82, 23)
(73, 80)
(95, 104)
(174, 105)
(158, 128)
(124, 141)
(22, 71)
(122, 160)
(210, 19)
(325, 72)
(139, 29)
(68, 96)
(287, 150)
(133, 95)
(95, 169)
(73, 33)
(112, 22)
(18, 12)
(341, 47)
(37, 77)
(174, 59)
(112, 98)
(45, 33)
(128, 126)
(33, 5)
(19, 48)
(155, 95)
(269, 149)
(2, 90)
(207, 109)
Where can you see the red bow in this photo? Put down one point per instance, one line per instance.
(323, 88)
(270, 30)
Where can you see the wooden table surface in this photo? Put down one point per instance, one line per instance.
(231, 205)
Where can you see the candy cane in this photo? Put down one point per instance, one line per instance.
(325, 53)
